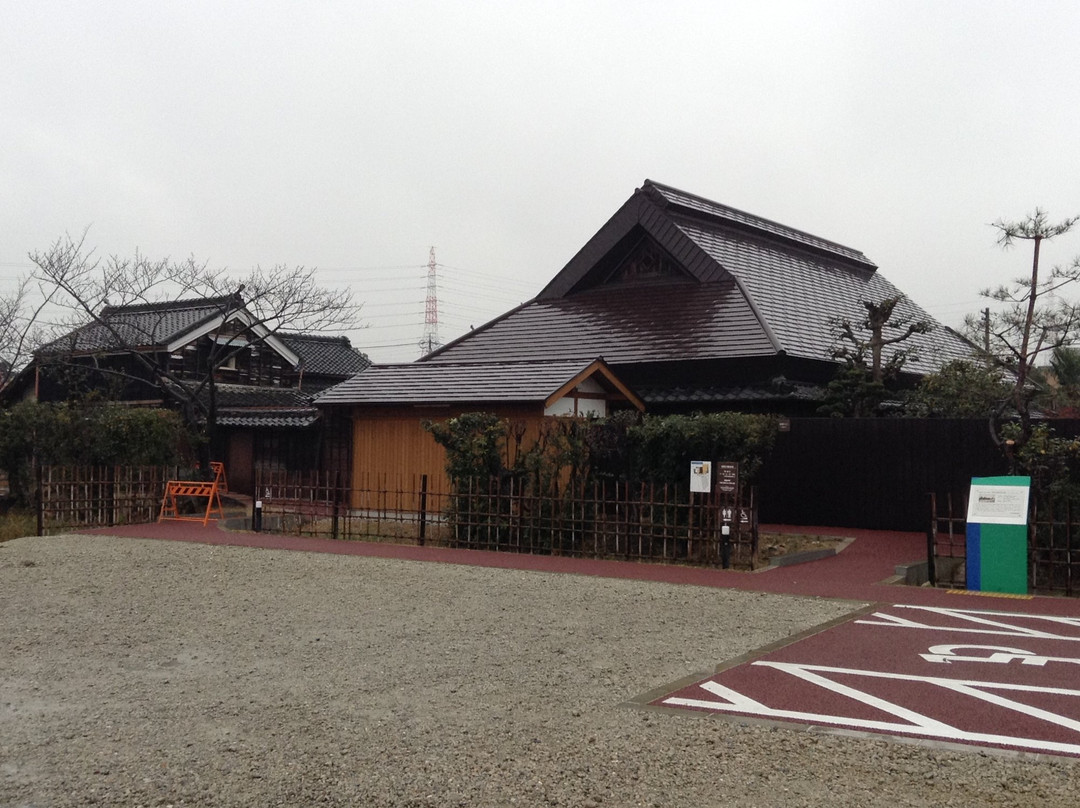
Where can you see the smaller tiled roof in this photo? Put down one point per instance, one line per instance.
(446, 383)
(145, 325)
(241, 405)
(326, 356)
(243, 395)
(268, 420)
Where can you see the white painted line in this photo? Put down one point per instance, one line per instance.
(732, 701)
(1000, 627)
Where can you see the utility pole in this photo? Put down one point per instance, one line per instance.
(430, 341)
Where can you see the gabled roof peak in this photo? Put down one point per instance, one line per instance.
(675, 201)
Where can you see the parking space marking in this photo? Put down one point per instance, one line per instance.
(1021, 698)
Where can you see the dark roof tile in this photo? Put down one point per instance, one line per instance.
(240, 405)
(269, 420)
(326, 356)
(798, 294)
(633, 323)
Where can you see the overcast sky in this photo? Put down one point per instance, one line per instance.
(354, 136)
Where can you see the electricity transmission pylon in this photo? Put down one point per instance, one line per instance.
(430, 341)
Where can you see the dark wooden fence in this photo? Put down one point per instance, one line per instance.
(873, 472)
(613, 520)
(73, 497)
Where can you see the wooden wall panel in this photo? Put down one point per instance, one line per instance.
(392, 450)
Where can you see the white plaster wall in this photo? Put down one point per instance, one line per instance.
(586, 406)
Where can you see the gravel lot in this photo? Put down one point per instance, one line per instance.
(136, 672)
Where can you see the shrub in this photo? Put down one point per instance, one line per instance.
(623, 446)
(86, 435)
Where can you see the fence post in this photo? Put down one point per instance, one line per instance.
(335, 494)
(931, 542)
(39, 500)
(423, 509)
(110, 498)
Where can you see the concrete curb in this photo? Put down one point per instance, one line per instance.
(807, 556)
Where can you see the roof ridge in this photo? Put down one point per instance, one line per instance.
(744, 220)
(167, 305)
(314, 337)
(463, 362)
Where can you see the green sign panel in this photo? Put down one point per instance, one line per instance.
(997, 534)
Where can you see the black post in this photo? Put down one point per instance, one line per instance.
(256, 515)
(931, 535)
(337, 504)
(423, 509)
(110, 497)
(40, 501)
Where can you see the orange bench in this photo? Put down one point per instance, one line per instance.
(190, 488)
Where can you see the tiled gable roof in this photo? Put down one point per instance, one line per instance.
(448, 383)
(326, 356)
(754, 287)
(147, 325)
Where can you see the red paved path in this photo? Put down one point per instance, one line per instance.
(856, 573)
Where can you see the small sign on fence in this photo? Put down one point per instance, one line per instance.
(727, 477)
(700, 476)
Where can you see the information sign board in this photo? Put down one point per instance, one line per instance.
(727, 477)
(700, 476)
(997, 535)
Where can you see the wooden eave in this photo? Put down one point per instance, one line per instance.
(597, 367)
(211, 324)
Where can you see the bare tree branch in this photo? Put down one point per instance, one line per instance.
(98, 293)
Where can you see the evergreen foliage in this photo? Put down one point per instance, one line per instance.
(86, 435)
(663, 446)
(864, 381)
(960, 389)
(853, 393)
(624, 446)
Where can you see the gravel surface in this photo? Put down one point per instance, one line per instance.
(136, 672)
